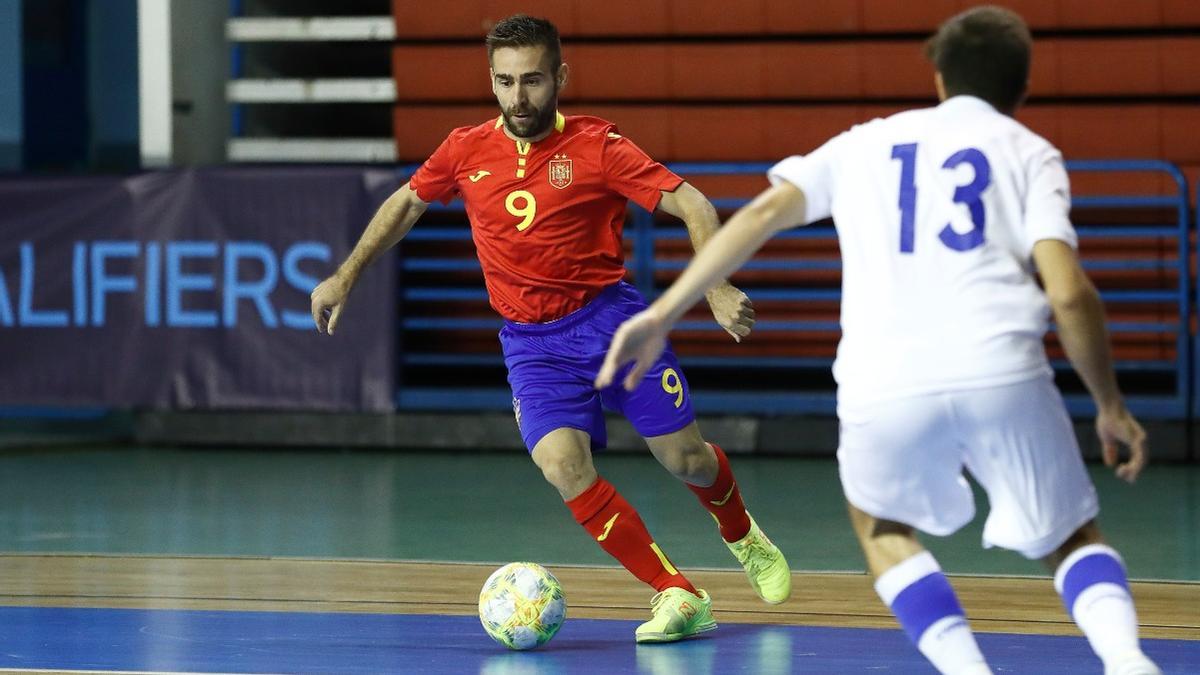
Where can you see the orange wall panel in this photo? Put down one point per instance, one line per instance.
(1043, 71)
(895, 69)
(841, 70)
(619, 72)
(440, 72)
(718, 133)
(647, 126)
(420, 129)
(892, 16)
(1180, 59)
(1111, 13)
(717, 187)
(427, 20)
(1091, 67)
(768, 133)
(831, 16)
(1096, 183)
(1181, 133)
(624, 17)
(701, 72)
(1181, 13)
(800, 130)
(795, 71)
(472, 18)
(718, 17)
(1110, 132)
(561, 12)
(1039, 14)
(1042, 120)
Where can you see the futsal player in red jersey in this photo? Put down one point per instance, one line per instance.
(546, 197)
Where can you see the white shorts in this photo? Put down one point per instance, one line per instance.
(902, 460)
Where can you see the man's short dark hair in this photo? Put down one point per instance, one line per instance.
(520, 30)
(984, 52)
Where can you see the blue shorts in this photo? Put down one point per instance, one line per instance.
(551, 368)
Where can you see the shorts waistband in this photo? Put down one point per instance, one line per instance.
(605, 297)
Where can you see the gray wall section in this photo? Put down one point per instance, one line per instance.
(10, 156)
(11, 100)
(199, 70)
(113, 85)
(805, 436)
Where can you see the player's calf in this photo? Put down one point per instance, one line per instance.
(1095, 591)
(765, 566)
(922, 600)
(721, 496)
(618, 529)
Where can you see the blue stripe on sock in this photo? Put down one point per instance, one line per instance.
(1098, 568)
(925, 602)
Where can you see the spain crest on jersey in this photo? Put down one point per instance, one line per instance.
(560, 172)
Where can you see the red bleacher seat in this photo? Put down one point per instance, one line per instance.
(762, 133)
(642, 18)
(756, 80)
(768, 71)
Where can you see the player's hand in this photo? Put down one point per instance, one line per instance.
(642, 339)
(328, 300)
(732, 309)
(1120, 428)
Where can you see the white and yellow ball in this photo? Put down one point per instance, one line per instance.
(522, 605)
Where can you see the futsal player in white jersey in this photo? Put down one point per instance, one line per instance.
(944, 217)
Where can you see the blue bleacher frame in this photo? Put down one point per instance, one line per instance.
(1194, 408)
(643, 264)
(1182, 405)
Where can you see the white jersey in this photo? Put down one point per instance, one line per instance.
(937, 211)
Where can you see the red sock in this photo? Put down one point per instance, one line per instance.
(618, 529)
(723, 499)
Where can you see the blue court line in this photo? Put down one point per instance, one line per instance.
(106, 640)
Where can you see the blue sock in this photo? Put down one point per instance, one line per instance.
(925, 605)
(1095, 592)
(1085, 567)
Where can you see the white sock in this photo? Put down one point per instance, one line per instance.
(1094, 588)
(950, 646)
(926, 607)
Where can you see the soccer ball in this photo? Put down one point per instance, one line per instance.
(521, 605)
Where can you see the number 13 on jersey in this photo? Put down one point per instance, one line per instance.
(970, 194)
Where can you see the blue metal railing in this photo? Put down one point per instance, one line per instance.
(644, 265)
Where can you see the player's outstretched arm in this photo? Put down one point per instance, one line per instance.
(730, 306)
(641, 339)
(392, 221)
(1079, 315)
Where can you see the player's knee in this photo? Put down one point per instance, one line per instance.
(569, 476)
(689, 461)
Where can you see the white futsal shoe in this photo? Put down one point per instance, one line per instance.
(1132, 663)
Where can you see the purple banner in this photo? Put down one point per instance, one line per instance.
(189, 290)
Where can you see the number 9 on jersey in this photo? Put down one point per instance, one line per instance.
(527, 211)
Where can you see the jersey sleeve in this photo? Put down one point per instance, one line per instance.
(434, 180)
(1048, 203)
(630, 172)
(813, 174)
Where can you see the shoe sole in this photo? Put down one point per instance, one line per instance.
(665, 637)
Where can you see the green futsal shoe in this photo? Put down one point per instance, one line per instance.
(677, 615)
(764, 563)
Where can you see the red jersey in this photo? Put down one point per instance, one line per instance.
(546, 217)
